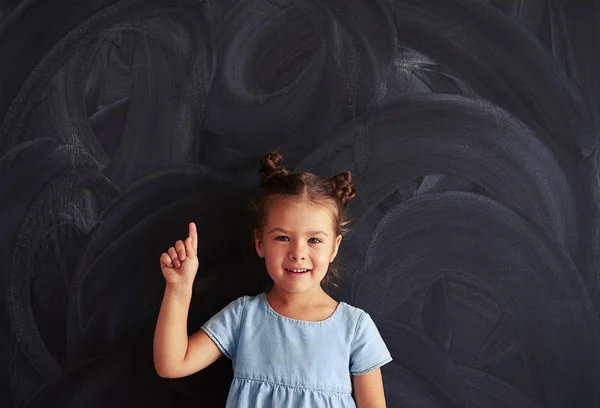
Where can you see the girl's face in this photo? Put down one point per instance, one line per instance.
(298, 243)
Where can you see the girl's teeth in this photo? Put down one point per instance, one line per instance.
(297, 270)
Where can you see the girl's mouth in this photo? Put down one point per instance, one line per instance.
(298, 271)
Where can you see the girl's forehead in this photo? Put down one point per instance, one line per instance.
(289, 206)
(299, 210)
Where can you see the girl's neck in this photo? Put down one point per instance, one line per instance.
(313, 306)
(292, 300)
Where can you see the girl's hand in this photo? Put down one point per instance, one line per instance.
(180, 263)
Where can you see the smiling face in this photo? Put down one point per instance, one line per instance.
(298, 243)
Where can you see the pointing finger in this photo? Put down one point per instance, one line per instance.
(194, 236)
(189, 247)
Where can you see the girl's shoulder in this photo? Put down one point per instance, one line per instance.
(358, 320)
(247, 302)
(352, 312)
(351, 309)
(244, 301)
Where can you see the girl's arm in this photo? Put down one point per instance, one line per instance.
(368, 389)
(176, 355)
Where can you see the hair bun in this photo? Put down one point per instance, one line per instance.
(344, 189)
(270, 167)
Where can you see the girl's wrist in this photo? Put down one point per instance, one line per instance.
(183, 288)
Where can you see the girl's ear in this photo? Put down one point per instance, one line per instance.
(258, 244)
(338, 241)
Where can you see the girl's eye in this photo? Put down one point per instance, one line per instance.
(285, 239)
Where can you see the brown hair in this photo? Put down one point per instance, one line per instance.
(276, 181)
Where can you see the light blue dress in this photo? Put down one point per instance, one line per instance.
(286, 363)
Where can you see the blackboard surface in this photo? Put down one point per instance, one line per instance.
(471, 130)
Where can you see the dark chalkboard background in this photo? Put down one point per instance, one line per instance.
(471, 128)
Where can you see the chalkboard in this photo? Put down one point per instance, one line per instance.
(471, 131)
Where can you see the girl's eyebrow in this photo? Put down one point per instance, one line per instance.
(286, 232)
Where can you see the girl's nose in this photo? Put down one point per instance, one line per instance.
(297, 252)
(297, 256)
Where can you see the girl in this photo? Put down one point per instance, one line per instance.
(294, 346)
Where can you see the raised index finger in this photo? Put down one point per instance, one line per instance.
(194, 236)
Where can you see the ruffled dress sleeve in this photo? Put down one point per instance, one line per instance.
(368, 350)
(223, 327)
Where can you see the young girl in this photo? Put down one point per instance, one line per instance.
(294, 346)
